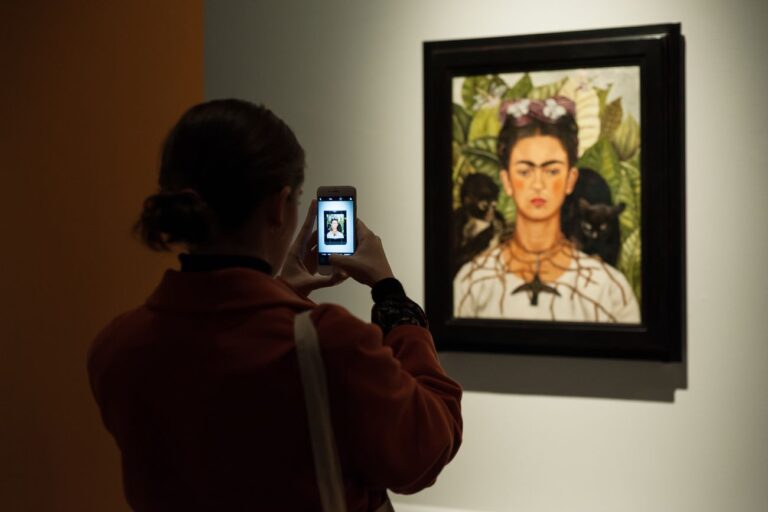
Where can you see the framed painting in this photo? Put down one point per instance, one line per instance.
(554, 193)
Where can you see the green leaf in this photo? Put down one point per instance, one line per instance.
(633, 172)
(496, 82)
(602, 158)
(587, 117)
(458, 160)
(521, 89)
(629, 220)
(485, 123)
(460, 119)
(481, 153)
(629, 194)
(630, 262)
(626, 138)
(546, 91)
(472, 87)
(476, 156)
(476, 89)
(610, 118)
(602, 95)
(461, 168)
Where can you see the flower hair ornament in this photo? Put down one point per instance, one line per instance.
(548, 110)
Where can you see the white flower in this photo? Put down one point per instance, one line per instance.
(487, 100)
(499, 90)
(519, 108)
(552, 110)
(477, 101)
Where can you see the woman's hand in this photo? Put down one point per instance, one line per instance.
(300, 267)
(369, 264)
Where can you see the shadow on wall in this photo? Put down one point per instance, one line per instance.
(560, 376)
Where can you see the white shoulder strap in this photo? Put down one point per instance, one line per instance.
(326, 456)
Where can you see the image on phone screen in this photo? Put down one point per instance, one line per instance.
(335, 226)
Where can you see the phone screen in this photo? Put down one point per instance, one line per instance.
(335, 226)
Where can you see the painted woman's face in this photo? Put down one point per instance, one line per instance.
(538, 177)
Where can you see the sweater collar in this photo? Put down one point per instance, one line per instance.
(227, 289)
(209, 262)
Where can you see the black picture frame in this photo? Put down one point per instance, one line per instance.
(659, 52)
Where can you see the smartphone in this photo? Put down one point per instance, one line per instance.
(336, 214)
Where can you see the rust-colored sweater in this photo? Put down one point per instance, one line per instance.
(200, 388)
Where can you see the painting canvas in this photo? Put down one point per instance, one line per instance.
(547, 195)
(554, 193)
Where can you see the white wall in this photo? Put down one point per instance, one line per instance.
(348, 77)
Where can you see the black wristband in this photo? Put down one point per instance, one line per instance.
(388, 288)
(392, 307)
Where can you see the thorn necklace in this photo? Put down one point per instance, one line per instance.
(536, 286)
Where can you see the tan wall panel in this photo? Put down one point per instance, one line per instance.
(87, 92)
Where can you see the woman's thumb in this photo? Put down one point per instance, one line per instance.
(342, 262)
(351, 265)
(337, 261)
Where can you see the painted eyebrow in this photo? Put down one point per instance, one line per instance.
(531, 164)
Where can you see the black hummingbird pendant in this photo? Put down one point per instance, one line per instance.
(536, 286)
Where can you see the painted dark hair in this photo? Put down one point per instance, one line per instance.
(221, 160)
(563, 129)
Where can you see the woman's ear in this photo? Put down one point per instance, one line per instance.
(506, 182)
(573, 177)
(278, 208)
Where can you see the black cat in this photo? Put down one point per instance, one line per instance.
(477, 222)
(590, 219)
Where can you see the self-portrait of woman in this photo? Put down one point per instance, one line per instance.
(334, 233)
(537, 273)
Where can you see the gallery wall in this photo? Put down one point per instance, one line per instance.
(547, 434)
(88, 91)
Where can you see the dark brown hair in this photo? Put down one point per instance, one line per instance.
(220, 161)
(563, 129)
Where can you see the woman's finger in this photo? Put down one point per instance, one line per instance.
(335, 278)
(344, 263)
(362, 229)
(310, 254)
(309, 223)
(313, 238)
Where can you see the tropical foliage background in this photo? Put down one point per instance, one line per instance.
(609, 143)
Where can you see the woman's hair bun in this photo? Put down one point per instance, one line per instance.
(219, 162)
(172, 217)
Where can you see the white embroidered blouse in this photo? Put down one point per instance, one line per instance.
(590, 290)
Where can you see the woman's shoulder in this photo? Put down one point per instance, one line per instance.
(338, 328)
(121, 334)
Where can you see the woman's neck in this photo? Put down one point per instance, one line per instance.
(231, 248)
(537, 235)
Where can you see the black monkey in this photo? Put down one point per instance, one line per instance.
(476, 222)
